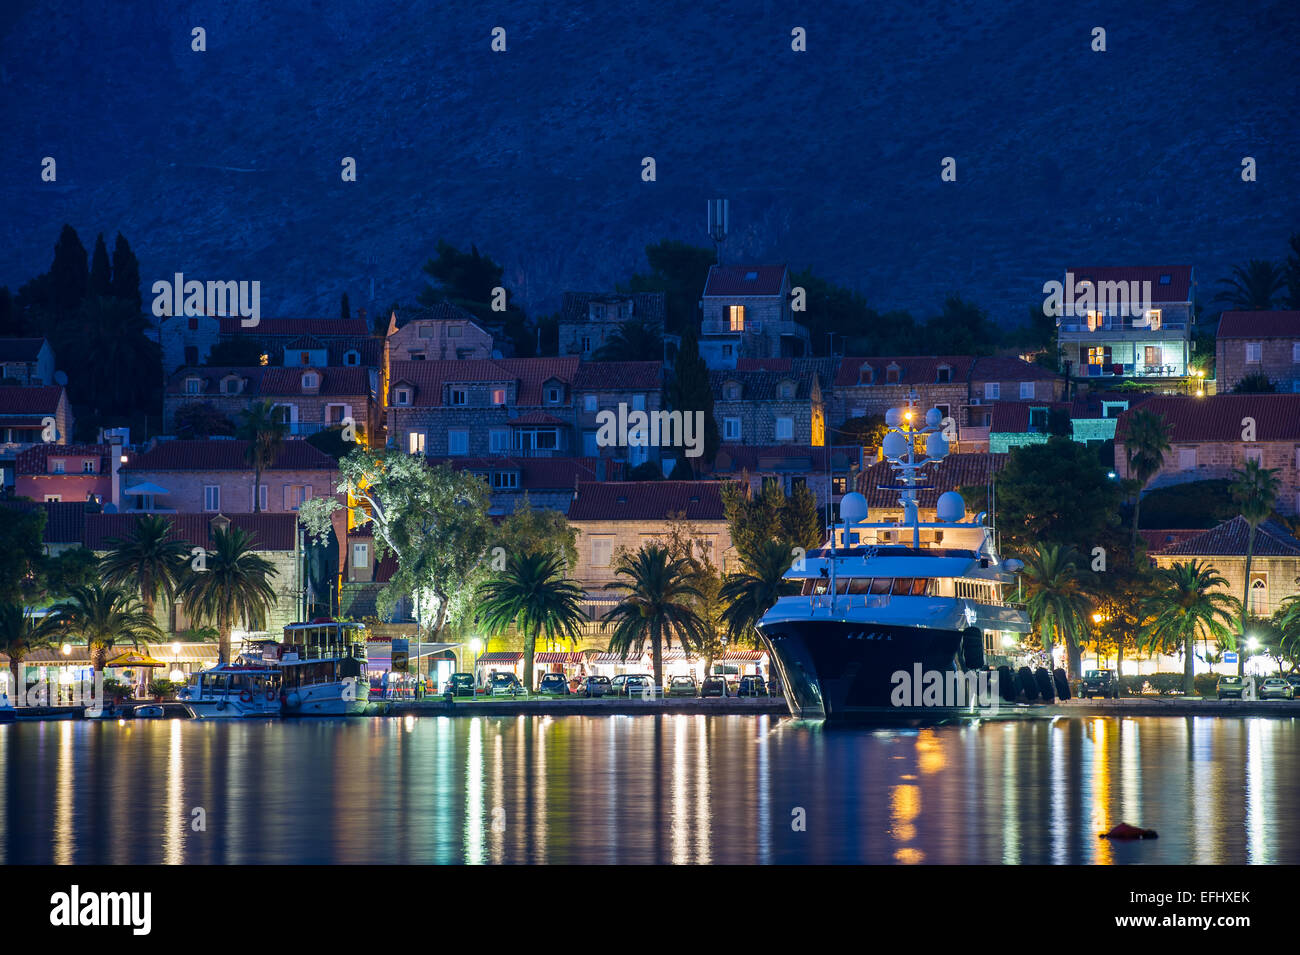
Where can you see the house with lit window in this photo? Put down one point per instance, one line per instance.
(188, 339)
(1274, 565)
(213, 476)
(64, 472)
(588, 320)
(308, 399)
(30, 416)
(1209, 437)
(779, 401)
(1127, 322)
(746, 312)
(1258, 343)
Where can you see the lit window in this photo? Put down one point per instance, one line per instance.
(498, 396)
(415, 442)
(737, 314)
(1154, 319)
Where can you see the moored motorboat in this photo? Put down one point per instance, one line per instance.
(247, 688)
(322, 668)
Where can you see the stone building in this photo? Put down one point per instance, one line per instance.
(546, 482)
(605, 386)
(828, 472)
(1210, 437)
(779, 401)
(954, 472)
(187, 340)
(588, 320)
(26, 361)
(747, 313)
(441, 332)
(64, 472)
(1274, 565)
(214, 476)
(309, 399)
(30, 416)
(1089, 417)
(1258, 343)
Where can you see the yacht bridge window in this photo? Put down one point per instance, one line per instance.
(898, 586)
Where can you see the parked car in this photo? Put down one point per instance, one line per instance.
(1231, 687)
(596, 686)
(618, 685)
(1294, 680)
(1102, 683)
(554, 683)
(640, 684)
(713, 686)
(682, 686)
(459, 684)
(751, 686)
(1276, 688)
(506, 684)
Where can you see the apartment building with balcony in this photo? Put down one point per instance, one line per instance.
(1258, 343)
(1127, 322)
(746, 313)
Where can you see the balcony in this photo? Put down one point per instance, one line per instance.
(1117, 329)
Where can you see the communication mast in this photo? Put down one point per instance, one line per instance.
(719, 223)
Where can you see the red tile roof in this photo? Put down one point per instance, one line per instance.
(1229, 540)
(271, 381)
(647, 500)
(1158, 539)
(647, 307)
(535, 417)
(430, 377)
(215, 454)
(1219, 417)
(953, 472)
(741, 280)
(1012, 417)
(34, 460)
(18, 400)
(280, 327)
(619, 376)
(913, 369)
(1259, 325)
(1009, 368)
(734, 458)
(1178, 288)
(270, 531)
(65, 521)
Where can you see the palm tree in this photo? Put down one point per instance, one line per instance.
(147, 561)
(1256, 286)
(234, 586)
(633, 341)
(1146, 440)
(752, 592)
(1254, 489)
(1185, 606)
(264, 431)
(533, 594)
(1287, 621)
(103, 616)
(20, 633)
(656, 605)
(1057, 598)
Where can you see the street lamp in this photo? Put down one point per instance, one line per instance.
(475, 645)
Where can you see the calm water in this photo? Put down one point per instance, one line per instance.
(688, 789)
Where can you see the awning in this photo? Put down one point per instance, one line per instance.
(608, 659)
(560, 656)
(496, 657)
(146, 488)
(379, 655)
(134, 658)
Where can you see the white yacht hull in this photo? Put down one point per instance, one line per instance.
(344, 698)
(233, 709)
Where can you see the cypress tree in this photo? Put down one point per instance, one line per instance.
(126, 273)
(68, 273)
(345, 310)
(690, 391)
(101, 278)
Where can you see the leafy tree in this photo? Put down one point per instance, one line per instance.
(532, 593)
(634, 341)
(1186, 605)
(753, 519)
(20, 633)
(541, 530)
(75, 567)
(434, 520)
(104, 616)
(1255, 286)
(866, 431)
(801, 521)
(345, 308)
(201, 419)
(1058, 598)
(685, 542)
(467, 279)
(238, 352)
(1256, 383)
(962, 328)
(655, 606)
(751, 592)
(1254, 491)
(264, 430)
(1057, 493)
(689, 391)
(235, 586)
(679, 270)
(1146, 442)
(1194, 504)
(149, 561)
(68, 275)
(1286, 619)
(330, 441)
(22, 554)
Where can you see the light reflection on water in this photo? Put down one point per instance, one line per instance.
(679, 789)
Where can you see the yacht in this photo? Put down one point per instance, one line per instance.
(246, 688)
(885, 606)
(322, 668)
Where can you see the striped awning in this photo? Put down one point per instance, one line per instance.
(738, 656)
(605, 659)
(500, 656)
(560, 656)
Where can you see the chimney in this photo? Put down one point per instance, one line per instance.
(115, 443)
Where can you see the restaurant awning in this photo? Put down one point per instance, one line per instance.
(497, 657)
(134, 658)
(560, 656)
(146, 488)
(379, 655)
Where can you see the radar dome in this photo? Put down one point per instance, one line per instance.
(894, 445)
(936, 445)
(933, 418)
(893, 417)
(853, 508)
(951, 507)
